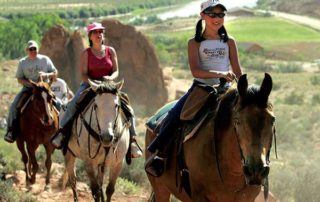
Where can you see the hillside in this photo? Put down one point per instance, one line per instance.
(305, 7)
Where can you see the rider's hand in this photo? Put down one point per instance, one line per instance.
(229, 76)
(107, 78)
(43, 75)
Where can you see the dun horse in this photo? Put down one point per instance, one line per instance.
(38, 122)
(228, 157)
(100, 137)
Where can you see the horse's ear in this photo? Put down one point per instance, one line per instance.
(242, 85)
(93, 85)
(120, 84)
(266, 86)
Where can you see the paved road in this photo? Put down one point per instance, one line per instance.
(304, 20)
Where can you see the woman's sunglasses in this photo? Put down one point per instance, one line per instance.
(32, 49)
(98, 31)
(215, 15)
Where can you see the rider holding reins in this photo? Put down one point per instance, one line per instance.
(98, 62)
(32, 67)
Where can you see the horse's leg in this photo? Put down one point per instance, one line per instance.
(101, 170)
(49, 150)
(33, 164)
(92, 173)
(69, 161)
(24, 158)
(161, 192)
(114, 173)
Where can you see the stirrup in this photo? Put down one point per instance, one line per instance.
(155, 165)
(57, 139)
(136, 151)
(9, 137)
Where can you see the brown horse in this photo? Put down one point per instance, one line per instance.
(38, 122)
(228, 157)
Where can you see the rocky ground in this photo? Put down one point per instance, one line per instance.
(55, 193)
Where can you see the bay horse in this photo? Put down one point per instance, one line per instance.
(38, 122)
(100, 137)
(228, 157)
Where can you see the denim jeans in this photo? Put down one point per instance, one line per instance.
(72, 105)
(170, 122)
(13, 113)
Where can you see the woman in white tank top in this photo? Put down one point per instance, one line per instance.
(210, 53)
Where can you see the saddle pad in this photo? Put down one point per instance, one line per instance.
(157, 118)
(195, 101)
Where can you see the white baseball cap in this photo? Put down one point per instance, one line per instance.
(32, 44)
(211, 3)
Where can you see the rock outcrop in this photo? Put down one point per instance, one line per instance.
(138, 63)
(64, 49)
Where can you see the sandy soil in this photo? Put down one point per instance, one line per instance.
(55, 193)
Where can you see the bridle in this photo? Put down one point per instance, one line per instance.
(92, 106)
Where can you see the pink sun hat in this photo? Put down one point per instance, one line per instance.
(94, 26)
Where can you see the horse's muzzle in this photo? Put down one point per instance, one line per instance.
(106, 139)
(255, 173)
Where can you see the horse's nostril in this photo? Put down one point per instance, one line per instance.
(106, 138)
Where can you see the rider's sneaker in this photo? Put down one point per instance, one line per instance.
(57, 140)
(136, 151)
(9, 137)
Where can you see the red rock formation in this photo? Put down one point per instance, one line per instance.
(138, 62)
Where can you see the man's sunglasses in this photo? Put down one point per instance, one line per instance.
(215, 15)
(32, 49)
(98, 31)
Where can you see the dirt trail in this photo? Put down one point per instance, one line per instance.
(304, 20)
(56, 194)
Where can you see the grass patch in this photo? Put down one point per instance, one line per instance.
(271, 31)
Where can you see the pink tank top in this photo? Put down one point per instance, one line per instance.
(98, 68)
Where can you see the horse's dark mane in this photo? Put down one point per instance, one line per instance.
(253, 97)
(107, 87)
(224, 108)
(229, 99)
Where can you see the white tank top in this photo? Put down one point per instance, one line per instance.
(214, 55)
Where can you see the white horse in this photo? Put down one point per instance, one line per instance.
(100, 137)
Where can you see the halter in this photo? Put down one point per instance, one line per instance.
(96, 135)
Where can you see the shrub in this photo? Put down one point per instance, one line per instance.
(9, 194)
(126, 186)
(289, 67)
(315, 80)
(293, 99)
(315, 99)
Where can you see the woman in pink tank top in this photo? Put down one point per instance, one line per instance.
(98, 62)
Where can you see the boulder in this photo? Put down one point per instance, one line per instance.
(138, 63)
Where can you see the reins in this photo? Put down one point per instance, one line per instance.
(96, 135)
